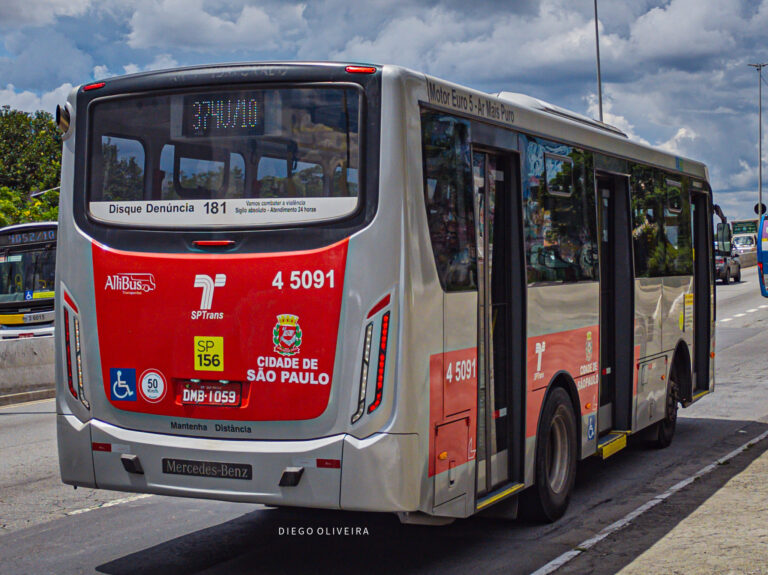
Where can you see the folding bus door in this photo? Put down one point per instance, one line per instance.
(500, 325)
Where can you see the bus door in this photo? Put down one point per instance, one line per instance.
(500, 348)
(701, 218)
(616, 303)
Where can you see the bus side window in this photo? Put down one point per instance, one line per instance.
(559, 214)
(647, 201)
(448, 196)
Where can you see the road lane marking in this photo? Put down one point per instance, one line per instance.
(763, 306)
(726, 319)
(110, 503)
(754, 309)
(558, 562)
(739, 315)
(26, 403)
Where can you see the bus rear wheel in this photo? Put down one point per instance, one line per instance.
(664, 430)
(556, 457)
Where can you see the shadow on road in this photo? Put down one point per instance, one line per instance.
(314, 541)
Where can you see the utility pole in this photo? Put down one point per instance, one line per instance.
(759, 68)
(599, 79)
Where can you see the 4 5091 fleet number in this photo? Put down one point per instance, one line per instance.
(306, 279)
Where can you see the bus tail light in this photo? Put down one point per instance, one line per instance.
(360, 69)
(382, 360)
(364, 373)
(68, 346)
(74, 372)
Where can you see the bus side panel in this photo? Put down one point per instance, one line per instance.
(398, 241)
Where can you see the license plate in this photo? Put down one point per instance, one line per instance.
(214, 469)
(213, 394)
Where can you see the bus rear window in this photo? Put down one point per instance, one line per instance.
(232, 158)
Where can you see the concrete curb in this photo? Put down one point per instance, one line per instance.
(24, 397)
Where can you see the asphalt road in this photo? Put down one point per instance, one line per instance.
(46, 527)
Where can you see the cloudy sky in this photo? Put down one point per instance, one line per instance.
(675, 72)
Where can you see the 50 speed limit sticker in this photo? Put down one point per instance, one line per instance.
(209, 353)
(152, 385)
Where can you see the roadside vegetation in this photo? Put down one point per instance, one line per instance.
(30, 161)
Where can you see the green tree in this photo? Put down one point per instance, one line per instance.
(30, 160)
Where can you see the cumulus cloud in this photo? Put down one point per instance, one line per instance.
(674, 71)
(30, 102)
(187, 25)
(16, 14)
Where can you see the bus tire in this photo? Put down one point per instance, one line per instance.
(556, 457)
(664, 430)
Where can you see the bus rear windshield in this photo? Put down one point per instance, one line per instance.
(226, 158)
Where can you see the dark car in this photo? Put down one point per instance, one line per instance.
(727, 267)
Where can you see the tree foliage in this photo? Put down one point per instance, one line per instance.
(30, 160)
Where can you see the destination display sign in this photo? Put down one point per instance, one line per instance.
(235, 113)
(483, 106)
(234, 212)
(29, 237)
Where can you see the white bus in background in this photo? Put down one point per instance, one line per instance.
(27, 280)
(360, 287)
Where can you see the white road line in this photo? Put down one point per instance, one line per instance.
(763, 306)
(558, 562)
(110, 503)
(739, 315)
(726, 319)
(754, 309)
(26, 403)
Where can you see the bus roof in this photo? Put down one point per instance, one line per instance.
(529, 114)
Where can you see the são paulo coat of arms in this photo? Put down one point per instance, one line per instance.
(287, 334)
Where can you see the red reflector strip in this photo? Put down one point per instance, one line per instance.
(360, 69)
(329, 463)
(70, 303)
(101, 446)
(378, 307)
(69, 353)
(95, 86)
(214, 242)
(382, 360)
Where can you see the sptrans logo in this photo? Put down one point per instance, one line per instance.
(134, 283)
(286, 334)
(208, 284)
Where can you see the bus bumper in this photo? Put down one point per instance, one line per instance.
(375, 477)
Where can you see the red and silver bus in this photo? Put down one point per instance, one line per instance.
(360, 287)
(27, 274)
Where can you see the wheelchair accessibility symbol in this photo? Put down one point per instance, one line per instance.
(123, 383)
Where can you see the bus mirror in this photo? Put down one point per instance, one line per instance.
(762, 254)
(62, 119)
(757, 209)
(723, 237)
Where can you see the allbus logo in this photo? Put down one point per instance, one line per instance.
(135, 283)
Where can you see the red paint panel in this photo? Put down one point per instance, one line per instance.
(453, 394)
(451, 440)
(222, 317)
(576, 352)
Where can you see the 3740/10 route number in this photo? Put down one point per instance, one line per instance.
(209, 353)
